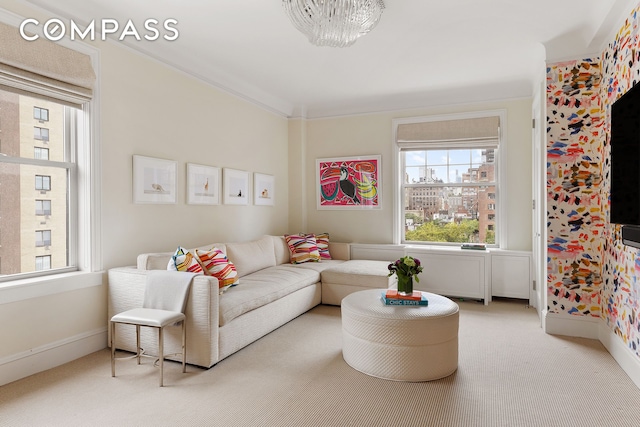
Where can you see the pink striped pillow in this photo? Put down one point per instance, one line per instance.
(302, 248)
(322, 240)
(217, 264)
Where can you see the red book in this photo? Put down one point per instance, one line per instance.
(393, 294)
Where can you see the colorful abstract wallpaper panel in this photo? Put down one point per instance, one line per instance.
(589, 271)
(621, 269)
(574, 157)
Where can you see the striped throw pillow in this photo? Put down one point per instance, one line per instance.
(322, 240)
(302, 248)
(216, 263)
(183, 260)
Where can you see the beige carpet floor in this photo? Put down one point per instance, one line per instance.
(510, 374)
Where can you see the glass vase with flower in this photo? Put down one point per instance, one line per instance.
(406, 269)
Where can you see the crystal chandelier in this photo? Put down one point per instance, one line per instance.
(335, 23)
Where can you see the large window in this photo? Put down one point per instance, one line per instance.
(448, 180)
(49, 171)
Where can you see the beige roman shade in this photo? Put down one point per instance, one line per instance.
(476, 132)
(45, 68)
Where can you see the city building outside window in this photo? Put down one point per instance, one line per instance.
(31, 172)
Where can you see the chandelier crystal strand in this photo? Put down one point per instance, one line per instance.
(335, 23)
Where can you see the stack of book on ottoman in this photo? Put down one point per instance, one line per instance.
(392, 297)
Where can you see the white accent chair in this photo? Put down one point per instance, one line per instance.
(164, 303)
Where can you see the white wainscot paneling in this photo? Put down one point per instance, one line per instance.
(387, 253)
(454, 273)
(511, 274)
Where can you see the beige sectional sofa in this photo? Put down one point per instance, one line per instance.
(271, 292)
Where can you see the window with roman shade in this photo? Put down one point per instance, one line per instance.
(44, 68)
(449, 178)
(43, 81)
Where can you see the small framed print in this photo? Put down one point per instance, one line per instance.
(236, 187)
(154, 180)
(203, 185)
(263, 189)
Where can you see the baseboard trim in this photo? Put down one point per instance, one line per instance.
(26, 363)
(628, 361)
(573, 326)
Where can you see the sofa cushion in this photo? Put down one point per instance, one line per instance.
(249, 257)
(317, 266)
(365, 273)
(215, 263)
(281, 250)
(302, 248)
(262, 287)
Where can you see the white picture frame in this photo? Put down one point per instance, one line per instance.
(236, 187)
(154, 180)
(203, 184)
(263, 189)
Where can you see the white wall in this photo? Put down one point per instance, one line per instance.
(148, 109)
(151, 110)
(372, 134)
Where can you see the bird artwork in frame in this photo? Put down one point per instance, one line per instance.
(348, 182)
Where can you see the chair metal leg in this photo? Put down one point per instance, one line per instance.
(138, 343)
(161, 352)
(113, 349)
(184, 346)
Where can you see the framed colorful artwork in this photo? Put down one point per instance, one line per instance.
(154, 180)
(348, 182)
(203, 185)
(263, 189)
(236, 187)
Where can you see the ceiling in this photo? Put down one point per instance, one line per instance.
(422, 53)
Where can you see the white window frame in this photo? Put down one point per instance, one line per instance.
(500, 178)
(86, 236)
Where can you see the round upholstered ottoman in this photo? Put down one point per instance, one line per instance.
(402, 343)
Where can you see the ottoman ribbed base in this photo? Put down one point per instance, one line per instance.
(402, 343)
